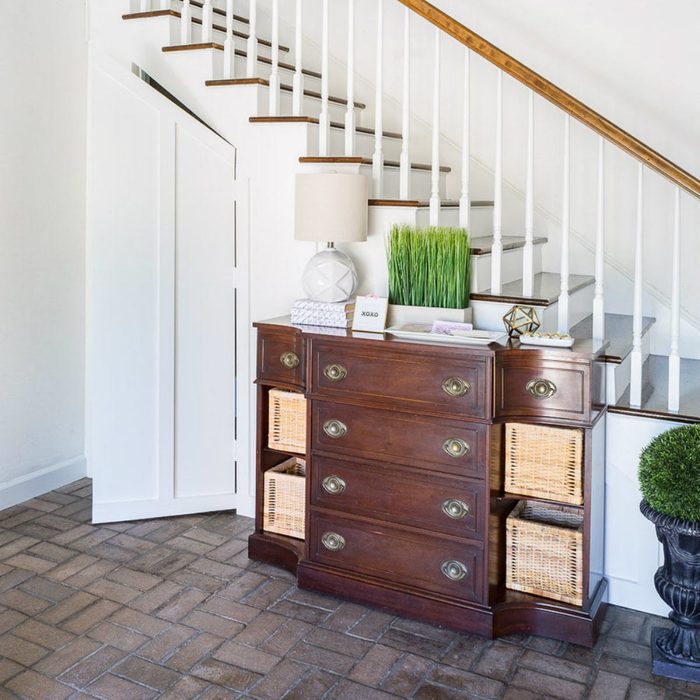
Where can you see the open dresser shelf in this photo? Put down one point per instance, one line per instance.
(405, 504)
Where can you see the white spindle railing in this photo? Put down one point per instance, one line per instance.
(350, 118)
(528, 250)
(298, 83)
(186, 23)
(599, 293)
(497, 244)
(435, 166)
(252, 45)
(563, 304)
(674, 361)
(637, 317)
(229, 44)
(465, 204)
(378, 157)
(145, 5)
(207, 21)
(274, 92)
(405, 159)
(324, 121)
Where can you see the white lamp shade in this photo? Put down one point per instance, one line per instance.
(331, 207)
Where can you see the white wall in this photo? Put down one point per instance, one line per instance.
(43, 57)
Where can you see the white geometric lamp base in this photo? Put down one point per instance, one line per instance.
(330, 276)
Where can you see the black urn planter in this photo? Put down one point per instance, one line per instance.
(676, 651)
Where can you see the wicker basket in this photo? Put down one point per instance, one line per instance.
(285, 498)
(287, 421)
(545, 551)
(544, 462)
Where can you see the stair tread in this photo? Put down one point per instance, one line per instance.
(196, 20)
(287, 88)
(618, 332)
(314, 120)
(367, 161)
(482, 245)
(416, 204)
(656, 404)
(546, 290)
(219, 11)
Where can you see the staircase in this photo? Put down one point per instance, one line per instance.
(291, 101)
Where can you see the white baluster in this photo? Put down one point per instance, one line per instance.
(435, 169)
(528, 250)
(350, 118)
(674, 360)
(637, 318)
(405, 159)
(229, 44)
(298, 84)
(563, 314)
(497, 245)
(164, 4)
(378, 157)
(207, 21)
(598, 297)
(145, 5)
(275, 55)
(186, 23)
(324, 122)
(252, 45)
(465, 198)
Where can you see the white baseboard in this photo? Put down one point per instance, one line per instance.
(41, 481)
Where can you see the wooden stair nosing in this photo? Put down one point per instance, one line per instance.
(219, 11)
(619, 340)
(577, 282)
(314, 120)
(359, 160)
(287, 88)
(196, 20)
(417, 204)
(454, 203)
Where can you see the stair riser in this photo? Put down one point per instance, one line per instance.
(488, 315)
(618, 375)
(364, 145)
(480, 219)
(264, 69)
(311, 107)
(420, 179)
(511, 267)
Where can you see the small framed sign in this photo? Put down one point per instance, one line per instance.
(370, 314)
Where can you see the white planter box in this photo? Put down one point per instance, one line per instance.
(398, 315)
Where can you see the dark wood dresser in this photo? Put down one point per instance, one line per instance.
(406, 508)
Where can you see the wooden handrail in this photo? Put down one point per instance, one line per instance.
(556, 95)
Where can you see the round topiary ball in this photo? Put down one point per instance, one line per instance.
(669, 473)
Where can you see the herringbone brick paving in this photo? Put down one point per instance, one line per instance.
(174, 608)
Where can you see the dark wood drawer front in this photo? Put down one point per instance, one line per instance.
(453, 446)
(398, 556)
(281, 358)
(545, 387)
(434, 502)
(445, 383)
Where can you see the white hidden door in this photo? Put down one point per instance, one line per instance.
(162, 307)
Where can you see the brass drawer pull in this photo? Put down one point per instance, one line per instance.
(335, 429)
(455, 509)
(454, 570)
(456, 447)
(541, 388)
(333, 541)
(290, 360)
(456, 386)
(335, 373)
(334, 485)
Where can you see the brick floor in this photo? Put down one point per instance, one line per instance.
(174, 609)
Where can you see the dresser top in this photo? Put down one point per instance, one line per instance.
(585, 348)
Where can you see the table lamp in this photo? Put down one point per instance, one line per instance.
(330, 207)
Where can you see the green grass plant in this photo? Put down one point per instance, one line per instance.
(669, 473)
(429, 267)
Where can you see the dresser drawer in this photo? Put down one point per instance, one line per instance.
(398, 556)
(459, 385)
(535, 386)
(450, 446)
(281, 358)
(429, 501)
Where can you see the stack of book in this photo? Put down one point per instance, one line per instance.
(307, 312)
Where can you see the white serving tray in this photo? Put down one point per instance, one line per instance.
(547, 342)
(417, 331)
